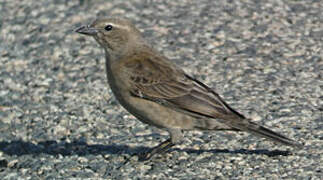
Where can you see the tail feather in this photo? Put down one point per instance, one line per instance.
(267, 133)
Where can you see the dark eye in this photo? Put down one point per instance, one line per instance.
(108, 27)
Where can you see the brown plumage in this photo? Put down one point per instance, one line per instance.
(158, 92)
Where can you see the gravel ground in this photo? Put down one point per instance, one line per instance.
(58, 118)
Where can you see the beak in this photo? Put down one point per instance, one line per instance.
(86, 30)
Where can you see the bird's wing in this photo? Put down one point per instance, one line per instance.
(156, 79)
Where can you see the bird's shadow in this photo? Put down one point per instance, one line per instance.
(81, 148)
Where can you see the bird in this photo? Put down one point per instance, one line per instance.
(158, 92)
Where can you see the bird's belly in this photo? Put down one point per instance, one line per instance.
(155, 114)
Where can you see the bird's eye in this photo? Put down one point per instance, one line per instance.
(108, 27)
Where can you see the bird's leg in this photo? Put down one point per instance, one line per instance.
(161, 148)
(175, 136)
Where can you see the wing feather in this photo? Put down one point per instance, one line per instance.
(155, 79)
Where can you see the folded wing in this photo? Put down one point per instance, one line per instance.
(160, 81)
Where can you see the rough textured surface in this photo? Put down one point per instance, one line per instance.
(58, 118)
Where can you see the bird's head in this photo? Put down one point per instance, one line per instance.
(113, 34)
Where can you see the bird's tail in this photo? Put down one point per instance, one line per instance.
(249, 126)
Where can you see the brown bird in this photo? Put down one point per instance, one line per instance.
(159, 93)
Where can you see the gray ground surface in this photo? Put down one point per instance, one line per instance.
(58, 118)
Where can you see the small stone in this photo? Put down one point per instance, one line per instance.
(12, 163)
